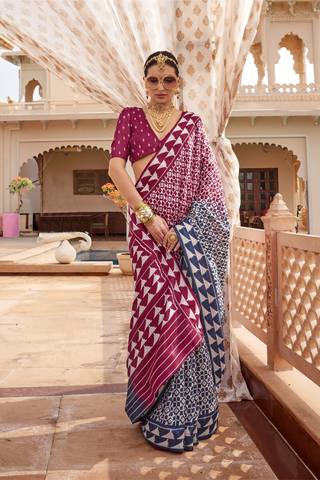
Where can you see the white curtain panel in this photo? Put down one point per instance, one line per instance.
(100, 46)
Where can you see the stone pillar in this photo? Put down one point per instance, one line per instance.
(278, 219)
(270, 55)
(316, 50)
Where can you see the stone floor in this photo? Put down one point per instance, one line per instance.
(90, 437)
(60, 335)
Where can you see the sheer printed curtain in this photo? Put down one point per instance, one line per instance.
(213, 41)
(99, 47)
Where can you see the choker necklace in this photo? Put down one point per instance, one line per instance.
(160, 115)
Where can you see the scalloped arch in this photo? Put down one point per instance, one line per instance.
(87, 147)
(266, 144)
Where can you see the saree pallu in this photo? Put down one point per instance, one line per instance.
(176, 352)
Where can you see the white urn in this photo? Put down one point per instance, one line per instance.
(65, 253)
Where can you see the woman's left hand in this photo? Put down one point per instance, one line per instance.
(168, 245)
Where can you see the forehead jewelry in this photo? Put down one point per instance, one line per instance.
(161, 61)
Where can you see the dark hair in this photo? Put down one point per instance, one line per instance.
(168, 62)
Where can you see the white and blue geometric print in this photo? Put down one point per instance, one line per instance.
(204, 239)
(187, 409)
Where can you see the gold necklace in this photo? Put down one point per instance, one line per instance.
(160, 116)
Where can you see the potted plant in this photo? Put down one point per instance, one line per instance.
(110, 192)
(18, 186)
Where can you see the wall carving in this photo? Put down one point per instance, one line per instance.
(290, 10)
(89, 182)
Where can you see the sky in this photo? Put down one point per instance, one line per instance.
(9, 80)
(9, 74)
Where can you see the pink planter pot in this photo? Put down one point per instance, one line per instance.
(10, 225)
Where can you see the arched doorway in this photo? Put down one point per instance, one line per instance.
(266, 169)
(71, 178)
(31, 200)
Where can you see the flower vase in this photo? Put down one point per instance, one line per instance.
(10, 225)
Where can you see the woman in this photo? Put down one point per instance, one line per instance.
(178, 240)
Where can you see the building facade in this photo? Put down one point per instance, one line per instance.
(63, 139)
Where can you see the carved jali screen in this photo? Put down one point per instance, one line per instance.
(89, 182)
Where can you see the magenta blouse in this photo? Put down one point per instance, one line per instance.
(134, 136)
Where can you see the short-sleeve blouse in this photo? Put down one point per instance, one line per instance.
(133, 137)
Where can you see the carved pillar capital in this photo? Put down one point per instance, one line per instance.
(266, 7)
(279, 218)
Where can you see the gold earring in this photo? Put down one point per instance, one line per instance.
(177, 91)
(147, 93)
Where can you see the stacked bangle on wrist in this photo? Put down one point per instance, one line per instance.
(144, 213)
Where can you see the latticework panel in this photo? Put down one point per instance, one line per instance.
(301, 303)
(249, 280)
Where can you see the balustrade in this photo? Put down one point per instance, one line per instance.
(276, 290)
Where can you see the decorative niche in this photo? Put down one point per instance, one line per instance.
(89, 182)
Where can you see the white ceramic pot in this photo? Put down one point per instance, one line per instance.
(65, 253)
(125, 263)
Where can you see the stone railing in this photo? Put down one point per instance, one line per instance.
(279, 92)
(249, 297)
(276, 290)
(299, 302)
(53, 107)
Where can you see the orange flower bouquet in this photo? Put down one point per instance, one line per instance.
(110, 192)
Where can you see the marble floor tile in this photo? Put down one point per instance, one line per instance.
(41, 377)
(94, 434)
(26, 433)
(56, 330)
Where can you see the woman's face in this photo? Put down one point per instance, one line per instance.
(161, 95)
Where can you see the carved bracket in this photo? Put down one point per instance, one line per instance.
(292, 5)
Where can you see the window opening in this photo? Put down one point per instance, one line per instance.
(258, 187)
(30, 90)
(250, 72)
(285, 73)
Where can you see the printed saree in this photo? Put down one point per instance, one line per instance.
(176, 351)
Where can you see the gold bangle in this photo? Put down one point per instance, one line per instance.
(172, 237)
(136, 208)
(150, 221)
(144, 213)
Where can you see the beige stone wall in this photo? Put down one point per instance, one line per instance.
(300, 135)
(58, 183)
(17, 146)
(59, 91)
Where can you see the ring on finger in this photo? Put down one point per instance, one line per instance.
(172, 237)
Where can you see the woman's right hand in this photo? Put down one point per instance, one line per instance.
(158, 229)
